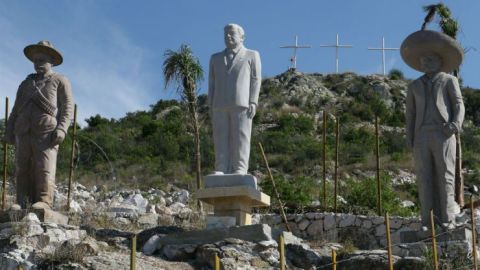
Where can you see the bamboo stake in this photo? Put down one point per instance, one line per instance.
(377, 156)
(324, 135)
(72, 156)
(474, 235)
(434, 241)
(334, 260)
(282, 211)
(217, 262)
(5, 160)
(282, 252)
(133, 254)
(337, 132)
(389, 242)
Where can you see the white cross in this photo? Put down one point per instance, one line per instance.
(383, 49)
(295, 47)
(336, 46)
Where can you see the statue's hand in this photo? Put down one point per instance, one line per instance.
(450, 129)
(252, 109)
(57, 137)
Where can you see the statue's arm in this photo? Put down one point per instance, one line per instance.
(255, 78)
(211, 83)
(65, 104)
(410, 116)
(455, 96)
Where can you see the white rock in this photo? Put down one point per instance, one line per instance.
(367, 224)
(346, 220)
(329, 221)
(148, 219)
(181, 196)
(380, 230)
(31, 218)
(75, 207)
(407, 204)
(395, 223)
(303, 224)
(151, 245)
(138, 201)
(315, 228)
(176, 207)
(162, 209)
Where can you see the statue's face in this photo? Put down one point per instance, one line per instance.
(42, 63)
(233, 38)
(431, 63)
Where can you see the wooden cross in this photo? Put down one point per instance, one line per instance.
(293, 60)
(336, 46)
(383, 49)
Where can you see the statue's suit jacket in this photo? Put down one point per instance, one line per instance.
(27, 116)
(237, 85)
(448, 101)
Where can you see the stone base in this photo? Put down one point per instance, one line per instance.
(234, 201)
(214, 222)
(44, 215)
(252, 233)
(230, 180)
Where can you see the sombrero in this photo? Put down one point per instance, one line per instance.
(425, 42)
(46, 47)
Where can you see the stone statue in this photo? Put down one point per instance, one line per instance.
(233, 88)
(38, 123)
(434, 114)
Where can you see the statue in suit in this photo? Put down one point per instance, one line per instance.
(233, 87)
(38, 123)
(434, 114)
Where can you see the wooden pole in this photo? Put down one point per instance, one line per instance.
(282, 211)
(5, 160)
(133, 253)
(377, 156)
(474, 235)
(434, 241)
(335, 179)
(389, 242)
(324, 135)
(217, 262)
(281, 247)
(72, 157)
(334, 260)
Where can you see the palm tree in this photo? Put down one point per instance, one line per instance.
(183, 68)
(450, 27)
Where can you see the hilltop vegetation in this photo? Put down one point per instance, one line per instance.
(155, 147)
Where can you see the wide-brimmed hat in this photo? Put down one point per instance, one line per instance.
(425, 42)
(46, 47)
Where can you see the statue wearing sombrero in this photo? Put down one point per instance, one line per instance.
(434, 114)
(37, 125)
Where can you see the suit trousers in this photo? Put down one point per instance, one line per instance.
(35, 168)
(231, 134)
(434, 156)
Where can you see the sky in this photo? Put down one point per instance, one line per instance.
(114, 49)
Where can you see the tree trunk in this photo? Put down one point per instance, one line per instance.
(196, 134)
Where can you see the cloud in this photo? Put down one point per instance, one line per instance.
(109, 72)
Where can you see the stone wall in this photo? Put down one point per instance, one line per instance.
(364, 232)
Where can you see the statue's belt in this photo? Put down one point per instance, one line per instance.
(41, 101)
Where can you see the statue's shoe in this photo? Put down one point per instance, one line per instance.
(41, 205)
(15, 207)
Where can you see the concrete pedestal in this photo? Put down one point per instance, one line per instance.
(231, 199)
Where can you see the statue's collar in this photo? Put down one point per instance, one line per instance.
(427, 78)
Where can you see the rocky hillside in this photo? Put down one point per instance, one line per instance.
(154, 148)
